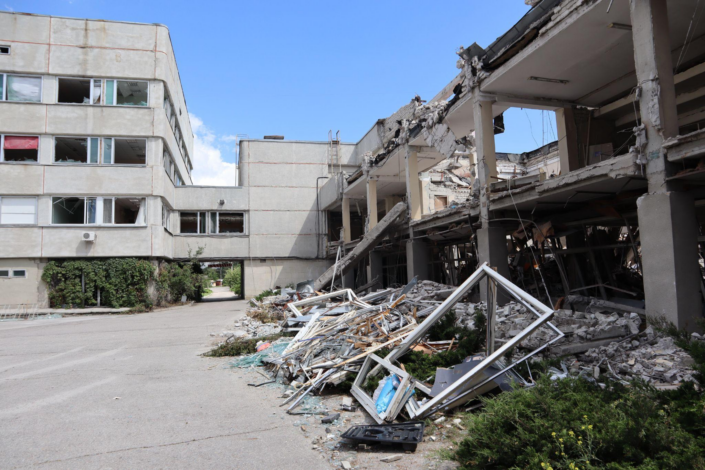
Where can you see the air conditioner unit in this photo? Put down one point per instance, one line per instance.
(88, 236)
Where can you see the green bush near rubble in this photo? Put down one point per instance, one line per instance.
(573, 423)
(233, 279)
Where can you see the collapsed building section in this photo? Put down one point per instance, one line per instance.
(610, 210)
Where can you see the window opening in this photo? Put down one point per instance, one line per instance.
(4, 50)
(189, 222)
(68, 210)
(19, 148)
(19, 273)
(130, 151)
(71, 149)
(129, 211)
(5, 273)
(231, 222)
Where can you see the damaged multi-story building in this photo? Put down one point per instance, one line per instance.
(611, 209)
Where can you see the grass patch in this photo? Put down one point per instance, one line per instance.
(240, 347)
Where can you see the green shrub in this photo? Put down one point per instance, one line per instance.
(175, 280)
(122, 282)
(573, 423)
(233, 279)
(266, 293)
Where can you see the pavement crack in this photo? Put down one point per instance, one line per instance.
(156, 446)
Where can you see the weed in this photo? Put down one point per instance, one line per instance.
(240, 347)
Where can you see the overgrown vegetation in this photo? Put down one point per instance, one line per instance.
(469, 341)
(233, 279)
(267, 293)
(122, 282)
(178, 279)
(238, 347)
(573, 423)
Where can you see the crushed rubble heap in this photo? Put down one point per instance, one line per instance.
(337, 332)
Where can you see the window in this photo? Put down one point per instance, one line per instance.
(98, 211)
(19, 148)
(171, 170)
(231, 222)
(100, 150)
(4, 50)
(80, 90)
(18, 210)
(166, 218)
(13, 273)
(189, 221)
(212, 222)
(126, 93)
(440, 202)
(25, 88)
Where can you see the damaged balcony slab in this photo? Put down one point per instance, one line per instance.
(596, 181)
(685, 146)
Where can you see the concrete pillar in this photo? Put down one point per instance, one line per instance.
(669, 252)
(347, 237)
(667, 221)
(486, 157)
(654, 72)
(371, 203)
(374, 268)
(417, 260)
(567, 140)
(349, 279)
(413, 189)
(390, 201)
(492, 248)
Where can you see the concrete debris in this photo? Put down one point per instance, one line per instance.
(391, 458)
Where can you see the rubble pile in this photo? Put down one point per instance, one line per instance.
(651, 357)
(340, 336)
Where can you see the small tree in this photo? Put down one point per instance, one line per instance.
(233, 279)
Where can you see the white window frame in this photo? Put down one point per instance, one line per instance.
(9, 49)
(115, 81)
(101, 151)
(11, 273)
(2, 148)
(98, 212)
(217, 221)
(90, 95)
(3, 97)
(36, 208)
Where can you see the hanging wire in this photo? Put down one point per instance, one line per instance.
(688, 41)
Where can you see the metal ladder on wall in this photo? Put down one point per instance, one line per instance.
(334, 152)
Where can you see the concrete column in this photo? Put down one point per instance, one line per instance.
(667, 221)
(567, 140)
(417, 260)
(374, 269)
(349, 279)
(654, 72)
(492, 247)
(486, 157)
(371, 203)
(669, 231)
(347, 237)
(390, 201)
(413, 189)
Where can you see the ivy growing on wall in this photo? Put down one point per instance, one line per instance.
(120, 282)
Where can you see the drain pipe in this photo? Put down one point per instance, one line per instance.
(318, 216)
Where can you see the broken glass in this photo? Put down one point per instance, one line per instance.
(24, 88)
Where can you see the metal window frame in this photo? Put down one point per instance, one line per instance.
(12, 273)
(91, 96)
(351, 297)
(443, 400)
(99, 211)
(401, 397)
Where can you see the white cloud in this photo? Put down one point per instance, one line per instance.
(209, 168)
(229, 138)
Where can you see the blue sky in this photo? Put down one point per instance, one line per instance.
(299, 69)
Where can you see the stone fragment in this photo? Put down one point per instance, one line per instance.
(391, 458)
